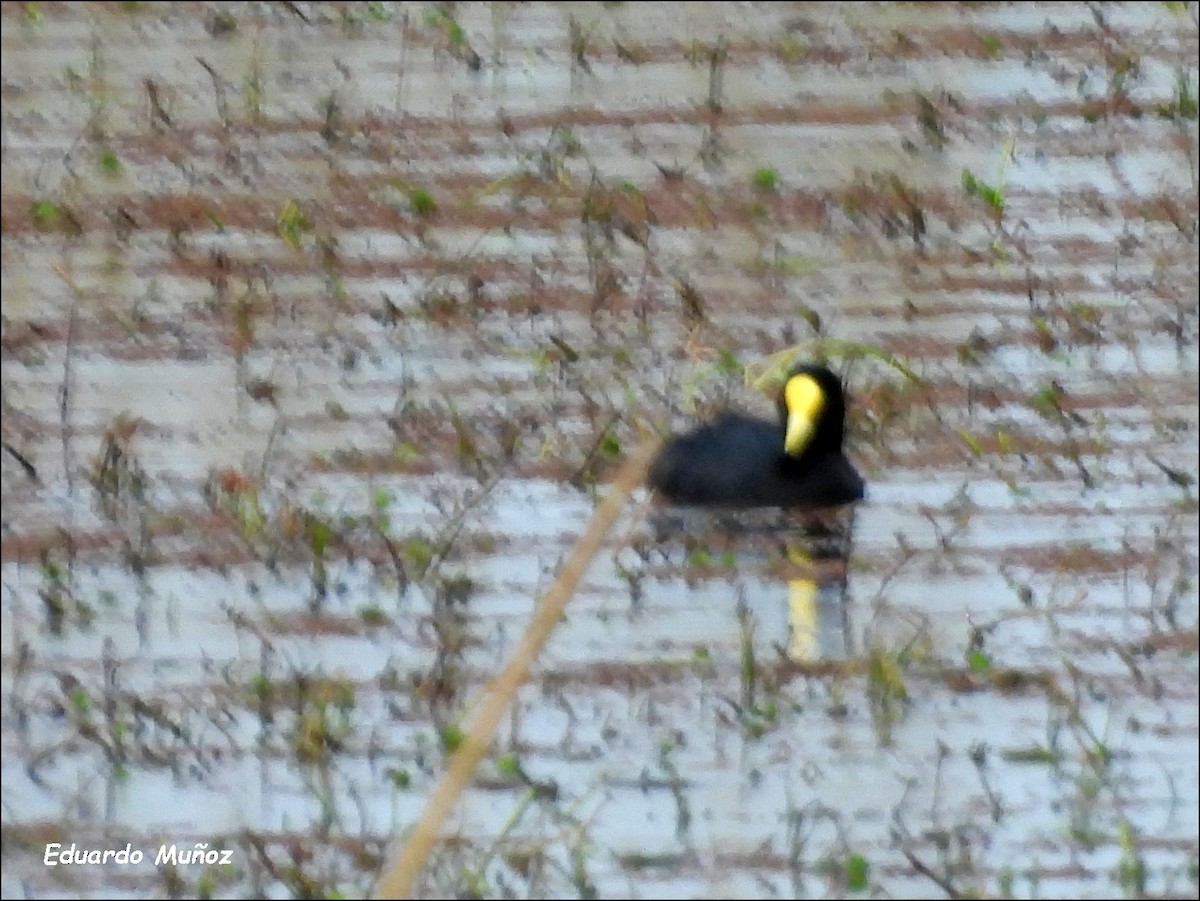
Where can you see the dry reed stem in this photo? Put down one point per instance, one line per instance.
(400, 875)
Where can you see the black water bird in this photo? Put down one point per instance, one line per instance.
(741, 461)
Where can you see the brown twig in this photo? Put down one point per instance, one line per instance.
(64, 396)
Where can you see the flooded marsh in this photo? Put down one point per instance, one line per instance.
(326, 326)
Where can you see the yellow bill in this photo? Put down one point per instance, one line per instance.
(804, 400)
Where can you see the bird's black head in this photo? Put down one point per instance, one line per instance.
(812, 409)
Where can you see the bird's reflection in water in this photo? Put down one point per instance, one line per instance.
(807, 551)
(818, 608)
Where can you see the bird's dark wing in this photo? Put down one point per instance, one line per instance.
(738, 461)
(720, 463)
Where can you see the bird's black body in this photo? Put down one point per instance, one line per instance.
(740, 461)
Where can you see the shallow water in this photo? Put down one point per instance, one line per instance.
(312, 471)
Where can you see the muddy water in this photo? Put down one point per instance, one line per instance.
(324, 328)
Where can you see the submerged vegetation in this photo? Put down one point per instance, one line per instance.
(322, 344)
